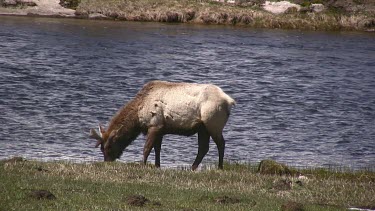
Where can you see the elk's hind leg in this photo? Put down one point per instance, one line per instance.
(220, 143)
(203, 145)
(157, 148)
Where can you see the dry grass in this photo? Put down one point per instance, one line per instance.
(208, 12)
(93, 186)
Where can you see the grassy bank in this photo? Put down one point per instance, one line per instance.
(209, 12)
(116, 186)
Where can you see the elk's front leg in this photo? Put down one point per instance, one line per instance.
(153, 139)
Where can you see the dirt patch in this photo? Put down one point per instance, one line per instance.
(42, 194)
(136, 200)
(226, 200)
(292, 206)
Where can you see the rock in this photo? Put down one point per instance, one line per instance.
(136, 200)
(317, 8)
(274, 168)
(42, 194)
(292, 206)
(279, 7)
(97, 16)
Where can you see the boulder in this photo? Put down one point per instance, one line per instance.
(279, 7)
(317, 8)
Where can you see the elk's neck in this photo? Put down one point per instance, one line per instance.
(127, 119)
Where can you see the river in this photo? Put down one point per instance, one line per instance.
(303, 98)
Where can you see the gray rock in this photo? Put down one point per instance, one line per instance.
(97, 16)
(317, 8)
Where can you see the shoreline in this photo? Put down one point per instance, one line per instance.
(203, 166)
(209, 13)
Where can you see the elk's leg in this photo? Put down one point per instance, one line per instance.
(153, 135)
(157, 147)
(220, 143)
(203, 145)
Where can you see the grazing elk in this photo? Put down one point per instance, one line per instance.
(162, 108)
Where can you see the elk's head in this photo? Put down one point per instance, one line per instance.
(109, 142)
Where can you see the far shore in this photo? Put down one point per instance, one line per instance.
(201, 12)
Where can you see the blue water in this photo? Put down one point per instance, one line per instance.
(303, 98)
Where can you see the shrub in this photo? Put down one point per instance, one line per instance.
(71, 4)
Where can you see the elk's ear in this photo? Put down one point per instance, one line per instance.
(94, 135)
(101, 130)
(112, 134)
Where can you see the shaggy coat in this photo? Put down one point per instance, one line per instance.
(162, 108)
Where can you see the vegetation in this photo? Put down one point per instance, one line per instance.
(71, 4)
(211, 12)
(31, 185)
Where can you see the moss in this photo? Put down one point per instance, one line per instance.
(274, 168)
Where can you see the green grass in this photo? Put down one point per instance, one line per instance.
(105, 186)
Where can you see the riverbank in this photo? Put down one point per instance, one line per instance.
(359, 15)
(36, 185)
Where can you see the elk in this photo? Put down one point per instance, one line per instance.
(161, 108)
